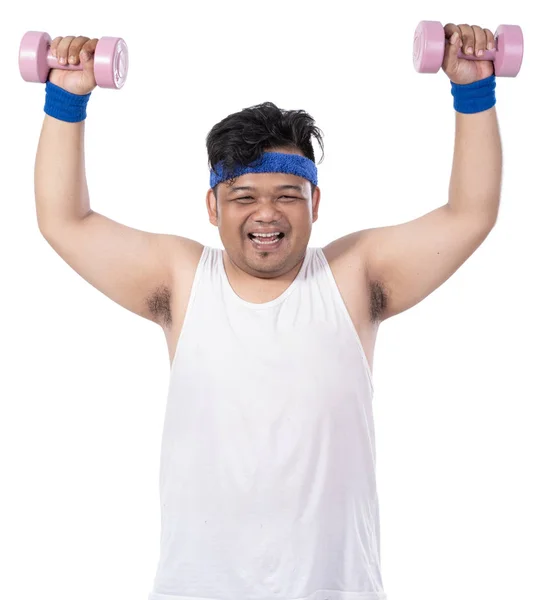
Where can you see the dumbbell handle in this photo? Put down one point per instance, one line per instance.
(488, 55)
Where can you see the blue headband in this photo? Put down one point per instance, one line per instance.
(270, 162)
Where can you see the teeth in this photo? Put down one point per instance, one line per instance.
(270, 238)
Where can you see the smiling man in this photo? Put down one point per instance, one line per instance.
(271, 243)
(268, 465)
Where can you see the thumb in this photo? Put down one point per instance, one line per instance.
(87, 61)
(452, 47)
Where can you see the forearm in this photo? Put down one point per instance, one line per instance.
(61, 191)
(475, 185)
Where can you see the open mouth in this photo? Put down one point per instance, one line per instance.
(266, 241)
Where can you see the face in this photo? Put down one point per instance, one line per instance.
(272, 202)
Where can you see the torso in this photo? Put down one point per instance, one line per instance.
(350, 277)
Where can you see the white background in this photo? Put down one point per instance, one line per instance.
(463, 400)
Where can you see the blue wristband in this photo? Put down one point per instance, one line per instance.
(474, 97)
(64, 105)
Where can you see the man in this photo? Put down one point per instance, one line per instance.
(268, 462)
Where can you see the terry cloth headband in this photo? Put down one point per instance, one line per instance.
(270, 162)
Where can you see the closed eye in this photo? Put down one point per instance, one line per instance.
(250, 197)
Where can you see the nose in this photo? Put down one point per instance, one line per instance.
(267, 213)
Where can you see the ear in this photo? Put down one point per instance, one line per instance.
(211, 203)
(315, 202)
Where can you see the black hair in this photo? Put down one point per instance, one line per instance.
(242, 137)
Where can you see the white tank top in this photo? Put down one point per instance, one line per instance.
(267, 475)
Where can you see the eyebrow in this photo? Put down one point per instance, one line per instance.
(249, 188)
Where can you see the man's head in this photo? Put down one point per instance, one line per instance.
(240, 140)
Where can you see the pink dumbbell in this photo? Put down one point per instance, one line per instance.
(111, 60)
(429, 48)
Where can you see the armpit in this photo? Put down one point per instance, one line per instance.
(379, 300)
(159, 306)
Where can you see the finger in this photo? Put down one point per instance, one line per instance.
(87, 51)
(479, 40)
(63, 47)
(75, 49)
(451, 29)
(490, 40)
(468, 39)
(54, 45)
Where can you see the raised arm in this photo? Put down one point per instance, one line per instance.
(132, 267)
(407, 262)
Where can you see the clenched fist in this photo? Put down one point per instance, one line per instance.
(471, 40)
(71, 50)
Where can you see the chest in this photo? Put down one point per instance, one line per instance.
(353, 287)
